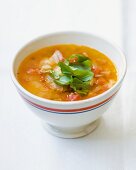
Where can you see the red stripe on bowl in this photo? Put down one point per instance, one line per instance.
(70, 110)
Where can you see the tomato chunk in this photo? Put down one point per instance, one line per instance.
(96, 70)
(32, 70)
(74, 96)
(73, 60)
(100, 81)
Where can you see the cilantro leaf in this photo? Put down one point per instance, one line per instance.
(80, 86)
(87, 63)
(65, 68)
(66, 62)
(64, 80)
(55, 74)
(88, 76)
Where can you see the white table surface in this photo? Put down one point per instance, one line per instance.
(24, 144)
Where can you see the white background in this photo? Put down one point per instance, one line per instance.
(24, 144)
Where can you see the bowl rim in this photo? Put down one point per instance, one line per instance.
(55, 102)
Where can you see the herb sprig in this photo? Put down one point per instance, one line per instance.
(75, 73)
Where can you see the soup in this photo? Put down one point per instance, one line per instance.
(67, 73)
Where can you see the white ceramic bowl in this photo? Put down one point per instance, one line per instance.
(76, 118)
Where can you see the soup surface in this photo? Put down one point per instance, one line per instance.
(67, 72)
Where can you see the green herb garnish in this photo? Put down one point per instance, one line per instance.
(64, 80)
(76, 73)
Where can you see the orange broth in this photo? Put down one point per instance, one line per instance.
(29, 76)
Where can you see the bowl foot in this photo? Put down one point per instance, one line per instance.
(72, 132)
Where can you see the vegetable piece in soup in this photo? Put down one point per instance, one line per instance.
(67, 73)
